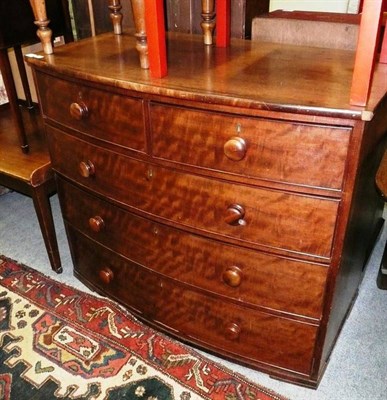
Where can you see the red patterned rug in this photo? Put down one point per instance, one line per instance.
(57, 342)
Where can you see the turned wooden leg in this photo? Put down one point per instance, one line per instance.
(23, 76)
(43, 211)
(6, 72)
(138, 8)
(208, 20)
(44, 32)
(116, 15)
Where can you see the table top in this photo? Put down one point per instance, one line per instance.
(253, 75)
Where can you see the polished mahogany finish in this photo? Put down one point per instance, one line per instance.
(230, 201)
(79, 111)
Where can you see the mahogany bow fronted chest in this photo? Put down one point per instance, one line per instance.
(232, 203)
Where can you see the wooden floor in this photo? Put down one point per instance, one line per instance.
(13, 162)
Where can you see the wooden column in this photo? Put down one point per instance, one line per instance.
(44, 32)
(366, 51)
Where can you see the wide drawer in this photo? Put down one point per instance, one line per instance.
(239, 274)
(304, 154)
(269, 218)
(189, 314)
(106, 116)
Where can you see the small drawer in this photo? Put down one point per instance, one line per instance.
(268, 218)
(228, 328)
(110, 117)
(245, 276)
(302, 154)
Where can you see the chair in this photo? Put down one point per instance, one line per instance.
(29, 170)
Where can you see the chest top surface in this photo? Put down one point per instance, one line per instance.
(247, 74)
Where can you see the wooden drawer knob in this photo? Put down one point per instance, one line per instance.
(235, 214)
(86, 169)
(233, 331)
(232, 276)
(235, 148)
(79, 111)
(96, 223)
(106, 275)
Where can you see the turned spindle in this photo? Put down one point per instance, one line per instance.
(208, 20)
(138, 9)
(116, 15)
(44, 32)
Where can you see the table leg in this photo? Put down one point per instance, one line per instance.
(23, 75)
(208, 20)
(116, 15)
(44, 32)
(6, 71)
(138, 8)
(43, 211)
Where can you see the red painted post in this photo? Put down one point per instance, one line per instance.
(155, 31)
(383, 52)
(223, 23)
(366, 51)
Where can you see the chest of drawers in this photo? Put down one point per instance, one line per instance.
(218, 207)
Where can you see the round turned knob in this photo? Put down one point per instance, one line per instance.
(235, 148)
(235, 214)
(86, 169)
(232, 276)
(232, 331)
(79, 111)
(96, 223)
(106, 275)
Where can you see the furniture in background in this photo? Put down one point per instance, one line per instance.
(31, 173)
(16, 29)
(27, 170)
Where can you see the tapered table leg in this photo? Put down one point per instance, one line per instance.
(44, 32)
(43, 211)
(23, 75)
(6, 72)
